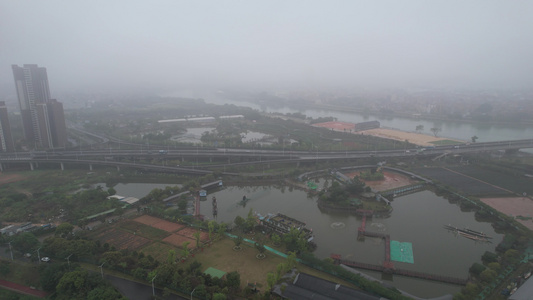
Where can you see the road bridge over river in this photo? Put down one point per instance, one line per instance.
(217, 158)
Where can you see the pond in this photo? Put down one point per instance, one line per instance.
(417, 218)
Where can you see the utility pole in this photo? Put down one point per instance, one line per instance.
(10, 250)
(153, 288)
(68, 261)
(102, 270)
(39, 254)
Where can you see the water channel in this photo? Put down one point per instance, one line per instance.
(417, 218)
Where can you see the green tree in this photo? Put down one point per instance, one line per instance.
(419, 128)
(474, 139)
(488, 275)
(185, 250)
(76, 285)
(495, 266)
(51, 275)
(435, 131)
(219, 296)
(276, 239)
(25, 242)
(111, 191)
(197, 236)
(238, 241)
(250, 221)
(221, 230)
(471, 290)
(261, 248)
(239, 221)
(233, 280)
(292, 260)
(171, 257)
(211, 227)
(64, 230)
(271, 280)
(477, 268)
(104, 291)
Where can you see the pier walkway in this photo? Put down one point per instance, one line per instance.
(421, 275)
(388, 265)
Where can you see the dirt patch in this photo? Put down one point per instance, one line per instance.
(9, 178)
(337, 126)
(392, 180)
(189, 232)
(159, 223)
(516, 206)
(413, 138)
(122, 240)
(178, 240)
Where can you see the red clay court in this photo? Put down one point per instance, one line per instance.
(188, 232)
(159, 223)
(178, 240)
(337, 126)
(8, 285)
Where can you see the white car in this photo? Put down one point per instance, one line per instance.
(45, 259)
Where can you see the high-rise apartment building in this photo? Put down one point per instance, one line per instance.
(42, 117)
(6, 139)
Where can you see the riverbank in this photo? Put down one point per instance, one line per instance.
(413, 138)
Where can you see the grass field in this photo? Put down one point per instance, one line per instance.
(157, 250)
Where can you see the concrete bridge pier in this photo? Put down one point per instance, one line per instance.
(297, 164)
(62, 166)
(1, 168)
(90, 167)
(118, 169)
(31, 166)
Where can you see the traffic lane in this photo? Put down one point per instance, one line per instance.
(137, 291)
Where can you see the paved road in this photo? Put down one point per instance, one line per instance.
(137, 291)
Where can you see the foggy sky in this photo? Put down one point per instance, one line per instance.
(166, 45)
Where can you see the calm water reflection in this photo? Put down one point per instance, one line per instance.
(417, 218)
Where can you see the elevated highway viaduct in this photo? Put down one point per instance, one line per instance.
(217, 158)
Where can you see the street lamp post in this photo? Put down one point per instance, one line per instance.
(68, 261)
(192, 292)
(10, 250)
(39, 254)
(153, 288)
(102, 270)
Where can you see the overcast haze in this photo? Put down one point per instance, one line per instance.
(171, 45)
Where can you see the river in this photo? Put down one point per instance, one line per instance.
(451, 129)
(417, 218)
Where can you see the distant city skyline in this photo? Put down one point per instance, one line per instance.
(43, 119)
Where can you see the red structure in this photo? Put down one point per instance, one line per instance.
(197, 214)
(447, 279)
(388, 265)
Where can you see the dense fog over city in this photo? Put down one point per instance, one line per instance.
(166, 46)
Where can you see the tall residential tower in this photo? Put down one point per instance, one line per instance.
(43, 119)
(6, 139)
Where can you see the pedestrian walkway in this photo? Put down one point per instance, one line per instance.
(15, 287)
